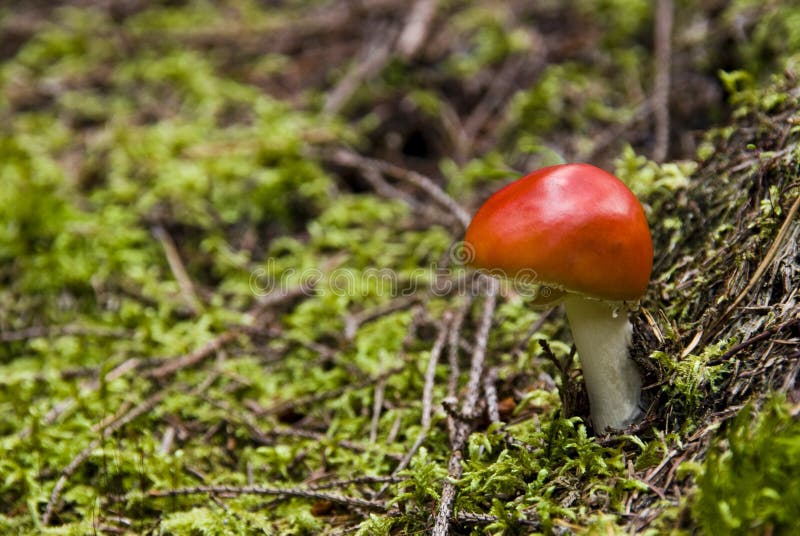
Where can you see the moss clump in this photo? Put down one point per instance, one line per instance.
(748, 482)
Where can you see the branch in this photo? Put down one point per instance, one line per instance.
(350, 159)
(377, 406)
(84, 455)
(190, 298)
(762, 267)
(196, 356)
(417, 27)
(490, 391)
(462, 429)
(663, 53)
(37, 332)
(220, 341)
(427, 397)
(374, 57)
(353, 502)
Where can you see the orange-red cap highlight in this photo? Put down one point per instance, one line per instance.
(576, 225)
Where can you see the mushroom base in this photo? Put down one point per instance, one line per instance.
(602, 337)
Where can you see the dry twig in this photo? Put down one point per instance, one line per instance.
(346, 158)
(84, 455)
(663, 59)
(418, 25)
(354, 321)
(352, 502)
(427, 397)
(196, 356)
(377, 407)
(442, 524)
(36, 332)
(491, 394)
(188, 292)
(762, 267)
(375, 56)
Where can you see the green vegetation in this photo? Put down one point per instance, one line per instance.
(197, 332)
(746, 485)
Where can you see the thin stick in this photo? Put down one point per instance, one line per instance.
(752, 340)
(188, 292)
(663, 53)
(354, 321)
(485, 519)
(430, 372)
(279, 297)
(535, 327)
(264, 437)
(479, 352)
(491, 394)
(37, 332)
(358, 480)
(442, 524)
(344, 157)
(84, 455)
(196, 356)
(501, 87)
(354, 502)
(374, 57)
(453, 346)
(765, 263)
(384, 189)
(220, 341)
(427, 397)
(417, 28)
(380, 389)
(65, 405)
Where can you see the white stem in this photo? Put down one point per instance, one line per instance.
(602, 337)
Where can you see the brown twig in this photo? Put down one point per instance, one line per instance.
(84, 455)
(500, 88)
(188, 292)
(384, 189)
(352, 502)
(430, 372)
(354, 321)
(474, 518)
(535, 327)
(752, 340)
(661, 90)
(196, 356)
(392, 479)
(377, 408)
(442, 523)
(479, 351)
(491, 394)
(374, 57)
(427, 397)
(63, 406)
(416, 28)
(453, 340)
(202, 353)
(37, 332)
(350, 159)
(762, 267)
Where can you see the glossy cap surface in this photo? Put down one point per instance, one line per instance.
(577, 226)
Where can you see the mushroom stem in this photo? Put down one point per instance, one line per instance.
(602, 337)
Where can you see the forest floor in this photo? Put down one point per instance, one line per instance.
(233, 299)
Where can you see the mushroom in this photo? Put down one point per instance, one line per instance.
(585, 235)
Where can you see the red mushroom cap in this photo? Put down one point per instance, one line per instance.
(577, 226)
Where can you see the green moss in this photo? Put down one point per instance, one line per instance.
(120, 130)
(746, 484)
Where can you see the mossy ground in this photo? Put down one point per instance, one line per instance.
(163, 165)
